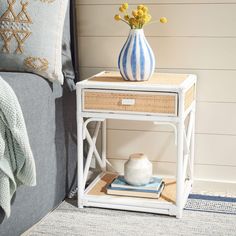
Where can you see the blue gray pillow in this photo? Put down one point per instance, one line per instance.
(31, 36)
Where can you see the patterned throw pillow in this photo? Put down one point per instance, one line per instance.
(31, 36)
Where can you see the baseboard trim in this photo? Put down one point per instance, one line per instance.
(215, 187)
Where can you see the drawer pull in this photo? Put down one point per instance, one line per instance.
(129, 102)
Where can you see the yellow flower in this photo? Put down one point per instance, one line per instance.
(117, 17)
(121, 9)
(147, 18)
(125, 6)
(140, 13)
(145, 9)
(163, 20)
(135, 13)
(126, 17)
(139, 17)
(133, 22)
(140, 7)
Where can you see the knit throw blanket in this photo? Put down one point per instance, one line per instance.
(17, 165)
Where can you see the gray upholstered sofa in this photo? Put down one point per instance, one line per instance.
(49, 112)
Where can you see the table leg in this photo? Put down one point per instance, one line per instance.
(179, 171)
(104, 144)
(80, 161)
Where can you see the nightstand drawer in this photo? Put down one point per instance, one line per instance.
(130, 102)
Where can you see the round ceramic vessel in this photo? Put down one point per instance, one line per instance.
(138, 170)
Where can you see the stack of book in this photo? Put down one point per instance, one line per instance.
(150, 190)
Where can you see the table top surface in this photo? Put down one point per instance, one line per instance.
(113, 79)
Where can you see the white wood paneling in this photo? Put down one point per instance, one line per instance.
(218, 188)
(159, 168)
(215, 173)
(208, 120)
(171, 52)
(108, 2)
(207, 172)
(159, 146)
(183, 20)
(215, 150)
(216, 118)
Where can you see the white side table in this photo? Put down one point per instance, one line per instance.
(164, 99)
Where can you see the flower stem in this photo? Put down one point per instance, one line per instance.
(124, 21)
(152, 22)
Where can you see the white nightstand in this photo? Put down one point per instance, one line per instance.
(165, 99)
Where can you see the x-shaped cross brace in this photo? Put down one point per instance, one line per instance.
(92, 147)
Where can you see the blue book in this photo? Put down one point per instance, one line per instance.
(120, 182)
(136, 192)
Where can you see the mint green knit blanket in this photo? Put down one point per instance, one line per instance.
(17, 165)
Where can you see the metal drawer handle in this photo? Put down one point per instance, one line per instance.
(129, 102)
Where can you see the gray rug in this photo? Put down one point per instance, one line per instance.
(202, 216)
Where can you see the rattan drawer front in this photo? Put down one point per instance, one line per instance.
(130, 101)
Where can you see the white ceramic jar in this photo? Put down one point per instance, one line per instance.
(138, 169)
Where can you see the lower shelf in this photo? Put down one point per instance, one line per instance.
(98, 188)
(95, 196)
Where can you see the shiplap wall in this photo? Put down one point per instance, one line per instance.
(200, 38)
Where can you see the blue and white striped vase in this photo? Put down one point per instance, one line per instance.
(136, 60)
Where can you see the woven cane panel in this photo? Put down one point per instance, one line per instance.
(157, 78)
(144, 102)
(189, 97)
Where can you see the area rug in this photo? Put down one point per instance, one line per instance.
(203, 215)
(217, 204)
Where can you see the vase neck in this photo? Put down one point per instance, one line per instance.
(136, 32)
(137, 156)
